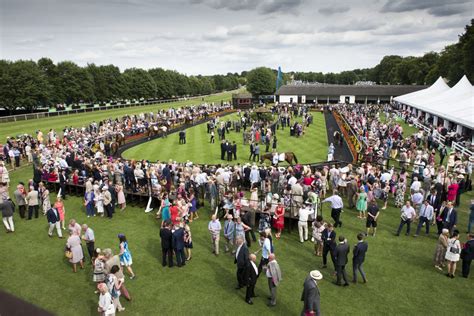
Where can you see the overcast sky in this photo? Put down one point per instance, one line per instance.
(220, 36)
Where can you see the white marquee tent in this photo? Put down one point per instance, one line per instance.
(455, 104)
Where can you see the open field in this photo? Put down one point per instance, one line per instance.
(77, 120)
(399, 270)
(311, 147)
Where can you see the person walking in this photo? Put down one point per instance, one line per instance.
(408, 214)
(59, 205)
(229, 233)
(311, 295)
(242, 261)
(452, 254)
(273, 274)
(7, 208)
(340, 254)
(106, 306)
(20, 200)
(52, 215)
(358, 258)
(125, 255)
(329, 244)
(214, 228)
(372, 216)
(425, 217)
(336, 208)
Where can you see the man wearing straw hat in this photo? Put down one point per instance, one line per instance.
(311, 295)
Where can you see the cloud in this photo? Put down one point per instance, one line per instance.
(222, 33)
(262, 6)
(433, 7)
(402, 28)
(33, 41)
(238, 30)
(333, 10)
(293, 28)
(353, 25)
(88, 55)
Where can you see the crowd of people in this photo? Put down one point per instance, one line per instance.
(253, 198)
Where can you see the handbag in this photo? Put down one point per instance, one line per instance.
(68, 254)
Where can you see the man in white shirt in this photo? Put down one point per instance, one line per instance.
(417, 200)
(252, 273)
(214, 228)
(336, 207)
(407, 215)
(425, 217)
(416, 185)
(303, 215)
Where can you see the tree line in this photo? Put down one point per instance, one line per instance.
(451, 63)
(28, 84)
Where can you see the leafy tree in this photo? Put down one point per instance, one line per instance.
(140, 83)
(261, 81)
(23, 85)
(74, 84)
(466, 41)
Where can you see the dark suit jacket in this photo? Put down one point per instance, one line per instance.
(51, 215)
(242, 259)
(342, 250)
(437, 202)
(62, 179)
(252, 276)
(467, 252)
(166, 238)
(329, 241)
(311, 296)
(453, 217)
(359, 252)
(178, 239)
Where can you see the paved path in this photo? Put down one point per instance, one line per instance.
(342, 153)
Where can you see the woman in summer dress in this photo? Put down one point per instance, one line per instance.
(125, 255)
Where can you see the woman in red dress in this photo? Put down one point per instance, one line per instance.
(279, 219)
(452, 191)
(174, 211)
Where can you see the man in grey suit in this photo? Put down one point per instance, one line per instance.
(20, 200)
(351, 191)
(341, 252)
(311, 295)
(274, 277)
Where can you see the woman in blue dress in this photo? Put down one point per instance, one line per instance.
(164, 210)
(125, 255)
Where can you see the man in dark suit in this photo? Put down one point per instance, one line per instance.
(52, 215)
(167, 243)
(311, 295)
(329, 244)
(358, 258)
(247, 220)
(223, 149)
(467, 255)
(449, 217)
(62, 183)
(242, 261)
(234, 150)
(341, 252)
(178, 245)
(252, 276)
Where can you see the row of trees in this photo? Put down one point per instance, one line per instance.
(451, 63)
(28, 84)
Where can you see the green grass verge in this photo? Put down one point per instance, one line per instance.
(402, 280)
(77, 120)
(311, 147)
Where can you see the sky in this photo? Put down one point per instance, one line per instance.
(220, 36)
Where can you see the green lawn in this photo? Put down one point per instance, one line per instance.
(402, 280)
(311, 147)
(77, 120)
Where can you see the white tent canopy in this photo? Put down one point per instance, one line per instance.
(454, 104)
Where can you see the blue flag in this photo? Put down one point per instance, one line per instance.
(279, 79)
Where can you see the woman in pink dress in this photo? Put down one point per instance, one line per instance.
(120, 196)
(59, 205)
(452, 191)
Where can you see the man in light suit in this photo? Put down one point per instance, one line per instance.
(297, 196)
(358, 258)
(426, 217)
(252, 276)
(340, 254)
(242, 261)
(53, 219)
(311, 295)
(274, 277)
(351, 191)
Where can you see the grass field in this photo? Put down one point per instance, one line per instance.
(312, 147)
(402, 280)
(77, 120)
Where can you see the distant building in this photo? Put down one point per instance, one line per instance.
(333, 93)
(242, 100)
